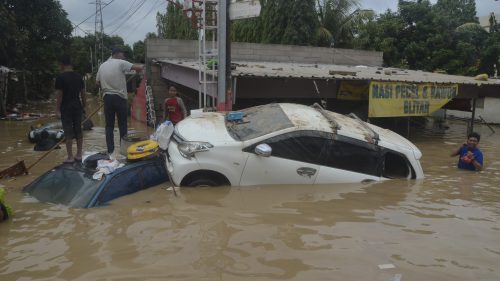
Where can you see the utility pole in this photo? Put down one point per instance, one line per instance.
(98, 34)
(224, 89)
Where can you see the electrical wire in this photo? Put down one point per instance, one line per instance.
(120, 17)
(137, 23)
(93, 14)
(128, 18)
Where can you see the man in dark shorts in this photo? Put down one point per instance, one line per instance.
(70, 105)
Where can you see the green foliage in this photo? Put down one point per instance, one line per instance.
(340, 21)
(34, 40)
(174, 24)
(419, 35)
(34, 36)
(8, 34)
(383, 34)
(443, 36)
(280, 22)
(139, 52)
(246, 30)
(302, 23)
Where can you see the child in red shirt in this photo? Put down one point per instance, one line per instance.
(173, 107)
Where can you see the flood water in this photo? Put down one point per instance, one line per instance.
(445, 227)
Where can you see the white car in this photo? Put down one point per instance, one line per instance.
(285, 143)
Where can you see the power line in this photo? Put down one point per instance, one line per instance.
(120, 17)
(128, 18)
(137, 23)
(93, 14)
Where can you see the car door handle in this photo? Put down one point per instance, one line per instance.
(304, 171)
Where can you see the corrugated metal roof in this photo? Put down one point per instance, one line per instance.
(342, 72)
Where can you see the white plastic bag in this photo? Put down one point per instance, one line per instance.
(163, 134)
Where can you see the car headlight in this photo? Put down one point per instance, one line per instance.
(189, 148)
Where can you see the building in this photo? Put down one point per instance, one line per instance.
(341, 80)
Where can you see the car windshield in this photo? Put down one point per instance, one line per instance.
(259, 121)
(67, 185)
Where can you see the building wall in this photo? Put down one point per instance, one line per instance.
(168, 48)
(159, 88)
(488, 109)
(188, 49)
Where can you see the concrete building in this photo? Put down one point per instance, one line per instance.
(341, 80)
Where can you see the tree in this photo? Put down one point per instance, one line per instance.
(8, 33)
(444, 36)
(302, 23)
(174, 24)
(139, 52)
(493, 24)
(34, 40)
(289, 22)
(339, 22)
(383, 34)
(490, 54)
(246, 30)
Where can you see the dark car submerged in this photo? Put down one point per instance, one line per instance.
(73, 185)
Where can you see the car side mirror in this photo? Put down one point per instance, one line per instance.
(263, 150)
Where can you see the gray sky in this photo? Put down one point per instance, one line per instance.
(133, 19)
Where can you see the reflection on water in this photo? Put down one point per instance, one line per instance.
(445, 227)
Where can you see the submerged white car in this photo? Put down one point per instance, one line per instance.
(285, 143)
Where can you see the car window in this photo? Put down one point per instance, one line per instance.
(121, 184)
(67, 185)
(133, 179)
(395, 166)
(354, 155)
(304, 146)
(259, 121)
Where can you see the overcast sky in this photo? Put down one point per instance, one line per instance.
(133, 19)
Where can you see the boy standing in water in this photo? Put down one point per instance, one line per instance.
(173, 107)
(70, 105)
(470, 157)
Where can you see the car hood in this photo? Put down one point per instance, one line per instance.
(210, 127)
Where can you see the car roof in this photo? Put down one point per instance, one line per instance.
(315, 118)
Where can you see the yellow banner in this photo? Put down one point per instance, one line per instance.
(353, 90)
(396, 99)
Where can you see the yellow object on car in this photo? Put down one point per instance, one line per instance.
(142, 149)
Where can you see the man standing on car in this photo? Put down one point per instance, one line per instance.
(69, 106)
(470, 157)
(111, 79)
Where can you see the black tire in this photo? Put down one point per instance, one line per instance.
(202, 182)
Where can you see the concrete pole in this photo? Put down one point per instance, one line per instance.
(224, 54)
(473, 116)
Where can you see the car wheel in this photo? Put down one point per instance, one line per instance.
(202, 182)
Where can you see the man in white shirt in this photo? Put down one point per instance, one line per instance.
(111, 79)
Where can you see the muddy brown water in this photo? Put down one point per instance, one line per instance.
(445, 227)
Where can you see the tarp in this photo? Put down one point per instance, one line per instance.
(399, 99)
